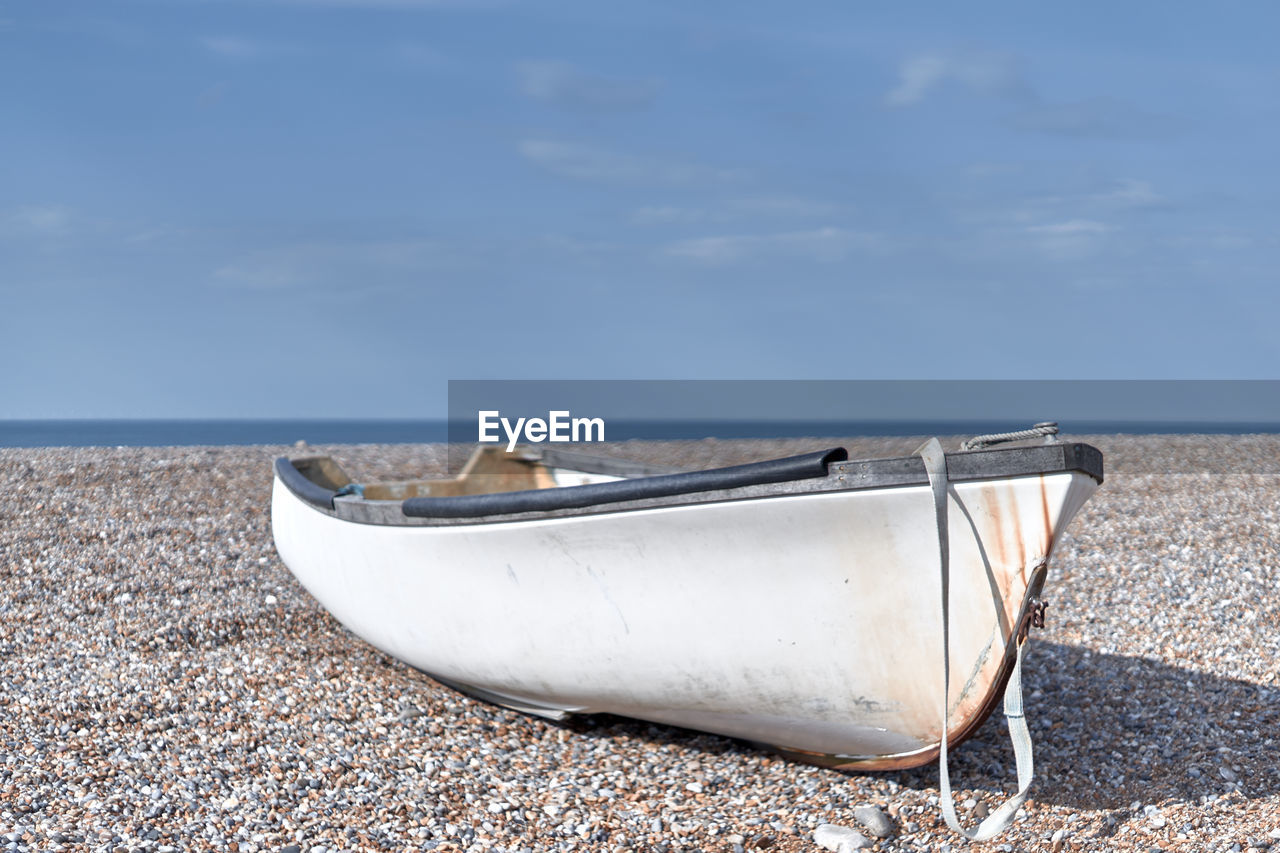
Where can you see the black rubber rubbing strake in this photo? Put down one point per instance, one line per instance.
(805, 467)
(312, 493)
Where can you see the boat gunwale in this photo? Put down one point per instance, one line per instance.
(842, 476)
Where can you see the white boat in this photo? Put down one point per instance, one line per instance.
(793, 602)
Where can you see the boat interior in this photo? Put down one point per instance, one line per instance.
(489, 470)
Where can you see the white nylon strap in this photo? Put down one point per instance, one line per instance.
(935, 463)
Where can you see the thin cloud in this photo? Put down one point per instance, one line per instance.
(418, 55)
(398, 4)
(1130, 193)
(822, 244)
(1222, 239)
(308, 263)
(232, 47)
(983, 73)
(1096, 117)
(737, 209)
(62, 226)
(563, 85)
(598, 165)
(561, 244)
(780, 206)
(46, 220)
(1072, 228)
(999, 75)
(1069, 240)
(1127, 194)
(916, 77)
(668, 215)
(993, 170)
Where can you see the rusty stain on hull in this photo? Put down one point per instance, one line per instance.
(1008, 557)
(991, 499)
(962, 728)
(1048, 524)
(1012, 539)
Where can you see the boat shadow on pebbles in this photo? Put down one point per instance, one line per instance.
(1111, 730)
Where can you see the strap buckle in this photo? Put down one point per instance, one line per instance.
(1033, 618)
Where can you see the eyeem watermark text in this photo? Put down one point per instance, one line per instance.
(557, 427)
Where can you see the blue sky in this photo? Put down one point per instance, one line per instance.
(331, 207)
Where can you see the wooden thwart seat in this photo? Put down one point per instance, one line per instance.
(489, 470)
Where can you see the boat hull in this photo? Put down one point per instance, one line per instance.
(809, 622)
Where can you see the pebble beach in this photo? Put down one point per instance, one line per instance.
(166, 684)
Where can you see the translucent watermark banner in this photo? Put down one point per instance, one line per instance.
(527, 416)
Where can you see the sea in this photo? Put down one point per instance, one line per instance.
(168, 433)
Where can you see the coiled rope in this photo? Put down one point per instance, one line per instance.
(980, 441)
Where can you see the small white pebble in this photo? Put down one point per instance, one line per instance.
(839, 839)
